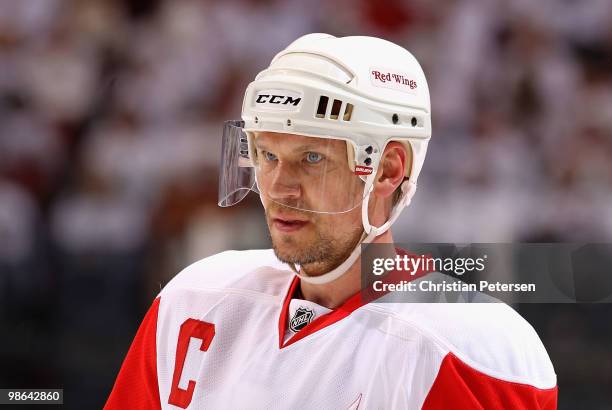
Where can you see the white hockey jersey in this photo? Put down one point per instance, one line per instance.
(226, 333)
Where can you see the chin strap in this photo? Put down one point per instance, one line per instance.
(408, 188)
(370, 232)
(341, 269)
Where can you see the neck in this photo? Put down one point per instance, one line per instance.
(333, 294)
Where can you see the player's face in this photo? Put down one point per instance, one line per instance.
(297, 174)
(306, 173)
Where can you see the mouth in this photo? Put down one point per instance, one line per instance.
(286, 224)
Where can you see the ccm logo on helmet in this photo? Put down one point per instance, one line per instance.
(278, 100)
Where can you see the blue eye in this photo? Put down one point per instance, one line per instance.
(269, 156)
(314, 157)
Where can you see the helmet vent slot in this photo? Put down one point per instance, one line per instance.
(348, 111)
(322, 107)
(335, 111)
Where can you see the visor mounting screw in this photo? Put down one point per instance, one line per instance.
(413, 121)
(367, 161)
(289, 123)
(369, 150)
(256, 120)
(395, 118)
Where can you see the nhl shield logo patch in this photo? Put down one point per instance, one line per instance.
(302, 317)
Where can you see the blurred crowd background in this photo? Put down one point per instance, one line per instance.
(111, 115)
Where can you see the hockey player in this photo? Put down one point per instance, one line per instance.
(332, 138)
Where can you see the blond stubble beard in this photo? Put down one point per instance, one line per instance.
(318, 256)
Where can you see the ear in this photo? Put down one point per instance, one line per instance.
(392, 169)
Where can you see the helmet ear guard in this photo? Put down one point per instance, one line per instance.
(362, 159)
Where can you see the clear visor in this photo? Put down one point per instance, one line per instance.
(237, 176)
(304, 173)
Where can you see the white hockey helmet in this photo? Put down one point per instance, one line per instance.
(362, 90)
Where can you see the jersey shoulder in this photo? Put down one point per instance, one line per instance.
(492, 338)
(250, 271)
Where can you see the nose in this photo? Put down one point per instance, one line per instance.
(285, 183)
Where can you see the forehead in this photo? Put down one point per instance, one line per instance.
(297, 142)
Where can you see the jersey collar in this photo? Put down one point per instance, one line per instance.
(353, 303)
(342, 311)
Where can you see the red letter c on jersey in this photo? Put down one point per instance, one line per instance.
(190, 328)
